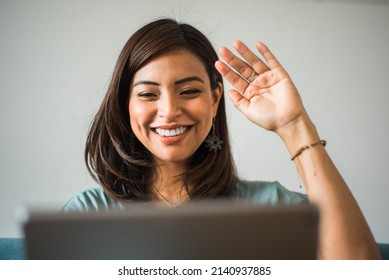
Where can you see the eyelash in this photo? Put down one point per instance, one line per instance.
(186, 92)
(190, 91)
(146, 95)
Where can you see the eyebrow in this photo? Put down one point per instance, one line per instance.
(184, 80)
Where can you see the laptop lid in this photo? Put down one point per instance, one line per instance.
(212, 230)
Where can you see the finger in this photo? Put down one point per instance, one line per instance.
(240, 66)
(255, 62)
(239, 101)
(270, 59)
(231, 76)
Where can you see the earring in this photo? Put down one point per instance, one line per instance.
(213, 141)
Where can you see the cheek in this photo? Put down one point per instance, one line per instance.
(204, 115)
(208, 110)
(138, 115)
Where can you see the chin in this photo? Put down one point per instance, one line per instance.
(175, 159)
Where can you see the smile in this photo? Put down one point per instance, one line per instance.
(171, 132)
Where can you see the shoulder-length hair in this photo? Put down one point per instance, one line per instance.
(117, 160)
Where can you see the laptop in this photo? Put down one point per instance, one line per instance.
(196, 231)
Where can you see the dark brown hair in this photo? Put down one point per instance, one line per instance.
(115, 157)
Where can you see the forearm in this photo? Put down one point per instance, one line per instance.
(272, 102)
(343, 231)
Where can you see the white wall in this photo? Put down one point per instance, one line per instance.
(56, 59)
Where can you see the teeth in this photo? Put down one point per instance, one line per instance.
(171, 132)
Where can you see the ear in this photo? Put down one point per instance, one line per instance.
(217, 95)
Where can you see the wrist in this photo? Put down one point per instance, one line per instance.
(298, 133)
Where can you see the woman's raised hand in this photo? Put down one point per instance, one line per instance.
(263, 92)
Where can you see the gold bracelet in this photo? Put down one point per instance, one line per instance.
(303, 148)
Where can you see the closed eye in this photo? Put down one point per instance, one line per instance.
(190, 93)
(147, 95)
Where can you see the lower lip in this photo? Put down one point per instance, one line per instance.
(172, 139)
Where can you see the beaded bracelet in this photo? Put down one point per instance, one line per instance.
(303, 148)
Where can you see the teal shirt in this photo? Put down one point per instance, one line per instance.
(260, 192)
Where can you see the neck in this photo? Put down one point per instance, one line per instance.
(167, 186)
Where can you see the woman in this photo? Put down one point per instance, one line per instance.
(161, 135)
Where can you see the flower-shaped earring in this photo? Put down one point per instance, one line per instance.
(213, 141)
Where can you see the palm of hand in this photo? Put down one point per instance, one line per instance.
(271, 100)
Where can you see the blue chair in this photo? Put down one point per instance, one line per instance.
(384, 249)
(13, 249)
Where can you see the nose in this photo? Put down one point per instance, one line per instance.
(169, 106)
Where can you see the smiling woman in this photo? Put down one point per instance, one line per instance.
(171, 108)
(164, 99)
(161, 134)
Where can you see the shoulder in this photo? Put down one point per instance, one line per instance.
(91, 200)
(268, 192)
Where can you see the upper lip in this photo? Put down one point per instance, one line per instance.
(169, 127)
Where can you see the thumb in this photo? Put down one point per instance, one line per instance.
(239, 101)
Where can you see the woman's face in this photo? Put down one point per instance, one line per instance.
(172, 106)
